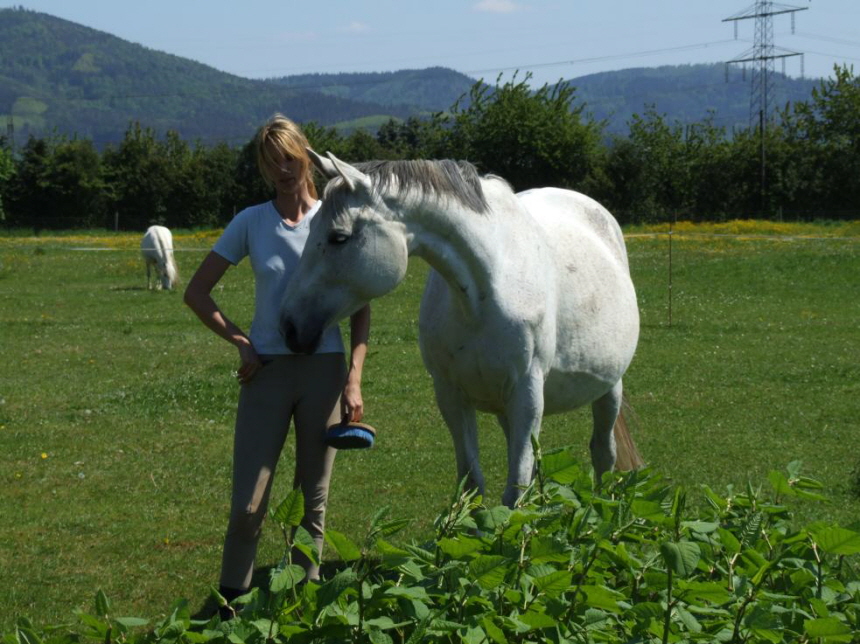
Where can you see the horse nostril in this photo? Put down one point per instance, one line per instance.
(288, 332)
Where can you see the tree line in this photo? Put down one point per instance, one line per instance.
(803, 164)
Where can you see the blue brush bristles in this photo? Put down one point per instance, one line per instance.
(350, 436)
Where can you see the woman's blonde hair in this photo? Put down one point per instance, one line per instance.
(280, 134)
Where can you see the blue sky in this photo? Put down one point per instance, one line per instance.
(552, 39)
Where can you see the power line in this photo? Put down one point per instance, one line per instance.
(762, 56)
(595, 59)
(763, 53)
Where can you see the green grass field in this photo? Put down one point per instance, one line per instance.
(116, 404)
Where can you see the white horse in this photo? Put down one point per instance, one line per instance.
(157, 250)
(529, 309)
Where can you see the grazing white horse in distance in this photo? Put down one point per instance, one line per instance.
(157, 250)
(529, 309)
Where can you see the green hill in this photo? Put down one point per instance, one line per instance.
(687, 93)
(58, 76)
(432, 90)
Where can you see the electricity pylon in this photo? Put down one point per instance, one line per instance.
(763, 54)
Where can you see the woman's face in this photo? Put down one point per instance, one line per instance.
(287, 173)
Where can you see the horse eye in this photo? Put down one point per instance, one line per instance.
(337, 238)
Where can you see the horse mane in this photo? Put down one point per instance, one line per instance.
(443, 178)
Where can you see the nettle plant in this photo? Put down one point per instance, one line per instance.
(568, 564)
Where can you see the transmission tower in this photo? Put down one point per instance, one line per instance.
(763, 54)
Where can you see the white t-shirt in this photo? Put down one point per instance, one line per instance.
(274, 247)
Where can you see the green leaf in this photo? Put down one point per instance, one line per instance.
(495, 633)
(343, 545)
(27, 636)
(412, 592)
(473, 635)
(548, 549)
(730, 541)
(291, 510)
(561, 467)
(837, 541)
(650, 510)
(286, 578)
(700, 527)
(492, 520)
(382, 623)
(647, 610)
(444, 626)
(305, 543)
(131, 622)
(704, 590)
(682, 557)
(378, 637)
(779, 483)
(689, 620)
(829, 629)
(459, 547)
(99, 628)
(418, 634)
(331, 590)
(536, 619)
(391, 527)
(554, 584)
(102, 604)
(602, 597)
(392, 555)
(715, 500)
(489, 570)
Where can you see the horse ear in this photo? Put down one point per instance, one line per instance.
(322, 164)
(351, 175)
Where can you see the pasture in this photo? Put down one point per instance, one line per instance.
(116, 404)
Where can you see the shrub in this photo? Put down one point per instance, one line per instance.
(628, 564)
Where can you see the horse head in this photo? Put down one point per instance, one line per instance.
(356, 251)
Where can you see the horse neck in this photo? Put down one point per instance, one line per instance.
(461, 245)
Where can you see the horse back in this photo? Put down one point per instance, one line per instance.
(597, 326)
(576, 217)
(157, 244)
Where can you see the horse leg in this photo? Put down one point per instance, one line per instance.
(604, 412)
(521, 422)
(148, 275)
(462, 422)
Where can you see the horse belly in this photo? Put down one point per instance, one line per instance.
(482, 361)
(564, 392)
(597, 327)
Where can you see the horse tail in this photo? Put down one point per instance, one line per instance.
(627, 457)
(165, 243)
(170, 266)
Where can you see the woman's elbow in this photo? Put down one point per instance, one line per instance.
(190, 297)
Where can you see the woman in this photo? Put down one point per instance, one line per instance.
(275, 385)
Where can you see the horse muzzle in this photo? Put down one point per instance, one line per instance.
(298, 340)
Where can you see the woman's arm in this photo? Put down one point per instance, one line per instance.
(359, 331)
(198, 297)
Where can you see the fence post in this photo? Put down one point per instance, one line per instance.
(671, 230)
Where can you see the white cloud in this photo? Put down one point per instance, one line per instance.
(355, 28)
(497, 6)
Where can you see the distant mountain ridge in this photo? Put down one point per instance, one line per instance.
(58, 76)
(686, 93)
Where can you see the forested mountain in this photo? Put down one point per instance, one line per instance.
(58, 76)
(430, 90)
(686, 93)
